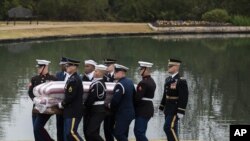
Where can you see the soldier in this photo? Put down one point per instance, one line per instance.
(174, 100)
(109, 120)
(61, 76)
(89, 69)
(39, 120)
(95, 104)
(122, 103)
(144, 108)
(72, 104)
(109, 77)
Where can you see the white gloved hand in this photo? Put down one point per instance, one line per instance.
(179, 115)
(60, 105)
(36, 100)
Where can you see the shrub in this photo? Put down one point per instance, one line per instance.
(240, 20)
(216, 15)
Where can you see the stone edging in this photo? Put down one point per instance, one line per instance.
(201, 29)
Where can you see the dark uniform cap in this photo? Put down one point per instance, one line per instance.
(63, 61)
(73, 62)
(119, 67)
(174, 62)
(109, 61)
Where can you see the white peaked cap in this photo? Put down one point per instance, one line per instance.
(42, 62)
(118, 66)
(91, 62)
(145, 64)
(100, 67)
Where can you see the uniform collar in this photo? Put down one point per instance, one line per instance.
(90, 75)
(147, 76)
(112, 73)
(96, 79)
(175, 74)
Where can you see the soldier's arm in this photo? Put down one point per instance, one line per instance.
(119, 91)
(141, 89)
(70, 93)
(163, 100)
(183, 96)
(30, 91)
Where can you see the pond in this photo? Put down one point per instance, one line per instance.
(216, 68)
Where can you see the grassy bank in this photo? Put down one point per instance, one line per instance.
(44, 29)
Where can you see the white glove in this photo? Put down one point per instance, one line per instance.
(179, 115)
(60, 105)
(36, 100)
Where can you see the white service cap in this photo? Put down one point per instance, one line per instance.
(145, 64)
(119, 67)
(90, 62)
(100, 67)
(42, 62)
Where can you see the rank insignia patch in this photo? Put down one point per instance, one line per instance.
(70, 89)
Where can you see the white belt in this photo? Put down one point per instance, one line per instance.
(98, 103)
(147, 99)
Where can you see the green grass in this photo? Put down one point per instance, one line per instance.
(240, 20)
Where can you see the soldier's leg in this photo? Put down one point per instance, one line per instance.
(59, 127)
(93, 129)
(170, 127)
(121, 128)
(40, 133)
(140, 128)
(70, 128)
(109, 123)
(34, 116)
(85, 125)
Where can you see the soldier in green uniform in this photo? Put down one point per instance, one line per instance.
(174, 100)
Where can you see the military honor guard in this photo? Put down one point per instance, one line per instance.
(39, 120)
(174, 100)
(95, 104)
(109, 76)
(89, 69)
(72, 104)
(144, 108)
(122, 103)
(109, 120)
(61, 76)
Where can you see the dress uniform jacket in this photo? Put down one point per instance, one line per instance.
(122, 102)
(97, 95)
(39, 79)
(109, 78)
(175, 96)
(143, 98)
(73, 97)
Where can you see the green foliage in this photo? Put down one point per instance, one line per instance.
(216, 15)
(240, 20)
(129, 10)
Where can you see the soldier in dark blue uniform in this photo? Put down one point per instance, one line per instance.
(109, 76)
(109, 120)
(72, 104)
(89, 69)
(174, 100)
(95, 104)
(39, 120)
(144, 108)
(122, 103)
(61, 76)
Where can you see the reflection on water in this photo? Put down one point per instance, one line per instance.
(216, 69)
